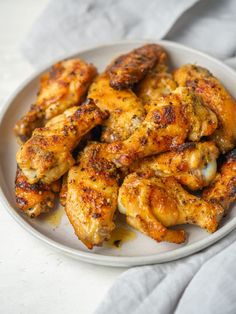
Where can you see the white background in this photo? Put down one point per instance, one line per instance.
(33, 278)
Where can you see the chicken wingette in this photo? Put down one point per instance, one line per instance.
(152, 205)
(191, 164)
(170, 121)
(64, 86)
(130, 68)
(34, 199)
(157, 83)
(91, 196)
(216, 97)
(223, 188)
(47, 155)
(125, 109)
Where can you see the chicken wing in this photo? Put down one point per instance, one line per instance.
(216, 97)
(46, 156)
(223, 188)
(62, 87)
(126, 110)
(151, 205)
(34, 199)
(191, 164)
(170, 121)
(157, 83)
(92, 192)
(129, 69)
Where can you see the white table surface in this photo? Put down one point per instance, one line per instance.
(33, 278)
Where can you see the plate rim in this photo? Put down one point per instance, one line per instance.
(102, 259)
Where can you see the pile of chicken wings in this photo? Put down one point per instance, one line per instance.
(157, 146)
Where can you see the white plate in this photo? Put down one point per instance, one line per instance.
(141, 250)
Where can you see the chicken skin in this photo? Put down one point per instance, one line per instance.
(92, 192)
(64, 86)
(34, 199)
(47, 155)
(191, 164)
(170, 121)
(152, 205)
(129, 69)
(223, 188)
(157, 83)
(216, 97)
(125, 109)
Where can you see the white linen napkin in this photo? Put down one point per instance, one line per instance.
(204, 282)
(68, 26)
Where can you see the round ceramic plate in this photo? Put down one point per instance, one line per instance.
(54, 228)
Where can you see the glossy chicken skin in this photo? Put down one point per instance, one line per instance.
(126, 110)
(34, 199)
(47, 155)
(192, 164)
(134, 201)
(130, 68)
(157, 83)
(152, 205)
(92, 192)
(64, 86)
(170, 121)
(216, 97)
(223, 188)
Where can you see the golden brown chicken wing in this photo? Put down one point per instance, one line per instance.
(151, 205)
(126, 110)
(216, 97)
(46, 156)
(34, 199)
(92, 192)
(169, 122)
(129, 69)
(192, 164)
(223, 188)
(157, 83)
(134, 201)
(62, 87)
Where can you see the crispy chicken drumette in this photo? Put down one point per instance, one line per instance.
(91, 197)
(151, 205)
(46, 156)
(192, 164)
(129, 69)
(34, 199)
(216, 97)
(64, 86)
(170, 121)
